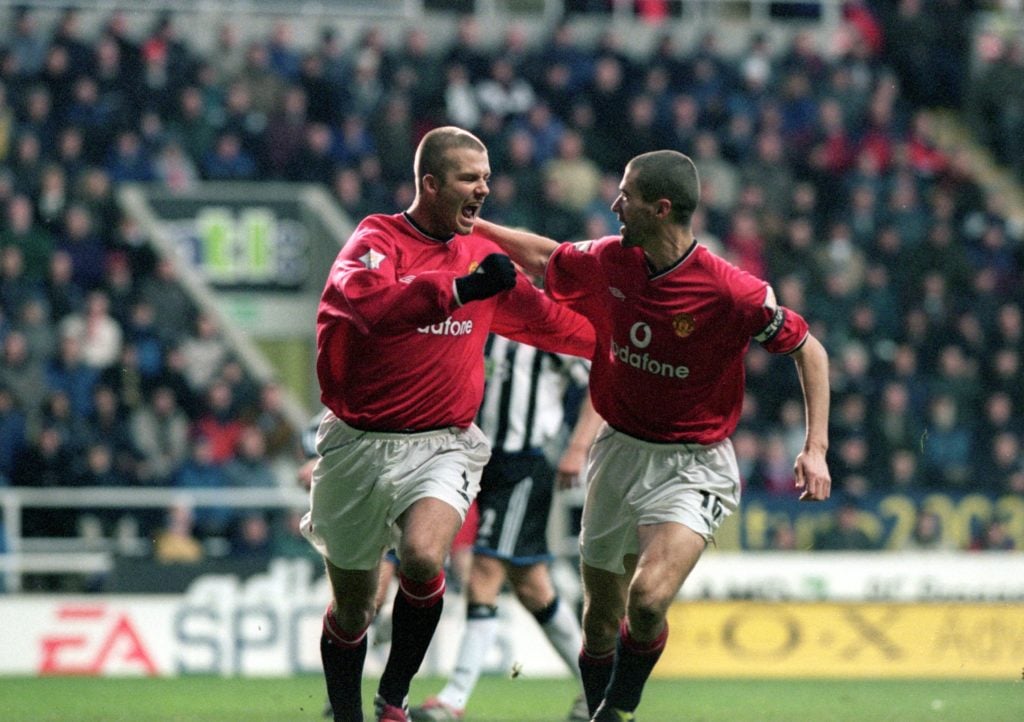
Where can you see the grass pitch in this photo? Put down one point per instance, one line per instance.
(208, 699)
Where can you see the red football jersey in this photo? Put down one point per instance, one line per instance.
(395, 351)
(669, 360)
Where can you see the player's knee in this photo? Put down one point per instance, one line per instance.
(420, 564)
(646, 614)
(353, 616)
(599, 629)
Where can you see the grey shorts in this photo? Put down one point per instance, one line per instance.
(632, 483)
(364, 480)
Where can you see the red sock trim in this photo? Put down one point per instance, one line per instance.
(338, 635)
(636, 647)
(598, 660)
(421, 594)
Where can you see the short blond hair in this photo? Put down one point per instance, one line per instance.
(432, 153)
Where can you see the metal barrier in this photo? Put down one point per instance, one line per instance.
(69, 555)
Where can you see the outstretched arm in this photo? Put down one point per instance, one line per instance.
(811, 469)
(529, 250)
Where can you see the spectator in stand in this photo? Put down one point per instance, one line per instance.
(281, 438)
(46, 463)
(95, 192)
(126, 378)
(1001, 460)
(68, 374)
(108, 423)
(845, 532)
(927, 534)
(21, 230)
(53, 197)
(128, 161)
(13, 433)
(994, 536)
(219, 422)
(205, 352)
(160, 430)
(252, 539)
(286, 128)
(228, 160)
(175, 169)
(191, 125)
(201, 471)
(176, 542)
(84, 246)
(315, 162)
(249, 467)
(947, 444)
(15, 287)
(98, 334)
(573, 171)
(61, 292)
(119, 287)
(175, 311)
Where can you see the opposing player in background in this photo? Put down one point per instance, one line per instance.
(522, 414)
(401, 327)
(673, 323)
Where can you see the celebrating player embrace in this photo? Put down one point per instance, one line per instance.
(401, 328)
(673, 323)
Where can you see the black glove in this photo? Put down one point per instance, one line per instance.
(494, 275)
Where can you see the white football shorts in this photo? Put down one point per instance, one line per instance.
(632, 482)
(364, 480)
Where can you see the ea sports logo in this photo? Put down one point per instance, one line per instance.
(640, 335)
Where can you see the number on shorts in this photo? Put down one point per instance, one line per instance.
(712, 506)
(486, 524)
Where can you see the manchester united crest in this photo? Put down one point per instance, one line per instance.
(683, 324)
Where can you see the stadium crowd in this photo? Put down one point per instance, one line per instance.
(819, 172)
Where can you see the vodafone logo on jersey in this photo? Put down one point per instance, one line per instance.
(640, 336)
(448, 327)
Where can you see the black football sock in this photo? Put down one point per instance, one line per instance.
(417, 610)
(596, 671)
(634, 662)
(343, 656)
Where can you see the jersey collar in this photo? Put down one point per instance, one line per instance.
(419, 229)
(653, 275)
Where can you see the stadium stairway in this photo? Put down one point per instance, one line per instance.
(953, 136)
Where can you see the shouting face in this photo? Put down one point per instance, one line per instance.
(460, 190)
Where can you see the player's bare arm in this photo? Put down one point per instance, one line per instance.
(529, 250)
(574, 458)
(811, 469)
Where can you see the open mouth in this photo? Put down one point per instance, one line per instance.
(470, 213)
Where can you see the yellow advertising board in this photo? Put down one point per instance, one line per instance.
(850, 640)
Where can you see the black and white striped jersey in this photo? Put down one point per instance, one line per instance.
(524, 397)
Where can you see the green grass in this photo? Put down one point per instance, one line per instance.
(207, 699)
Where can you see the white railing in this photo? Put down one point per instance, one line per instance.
(73, 555)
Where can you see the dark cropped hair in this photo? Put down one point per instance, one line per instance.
(671, 175)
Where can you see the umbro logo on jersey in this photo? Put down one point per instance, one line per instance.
(617, 293)
(406, 279)
(372, 259)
